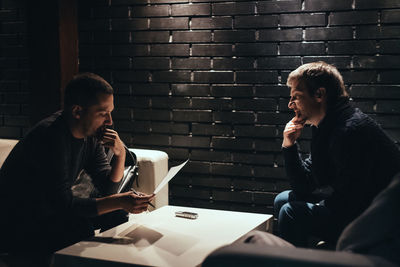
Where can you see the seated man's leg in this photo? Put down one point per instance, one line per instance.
(259, 237)
(298, 221)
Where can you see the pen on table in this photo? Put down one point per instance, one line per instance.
(137, 193)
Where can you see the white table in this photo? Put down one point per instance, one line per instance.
(158, 238)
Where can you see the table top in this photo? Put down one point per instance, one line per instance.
(159, 238)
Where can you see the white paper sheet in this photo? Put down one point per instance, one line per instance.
(171, 173)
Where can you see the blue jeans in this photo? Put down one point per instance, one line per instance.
(299, 218)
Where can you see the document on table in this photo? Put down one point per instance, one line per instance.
(171, 173)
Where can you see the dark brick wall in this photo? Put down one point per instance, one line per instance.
(14, 69)
(205, 80)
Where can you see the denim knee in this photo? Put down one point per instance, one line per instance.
(280, 200)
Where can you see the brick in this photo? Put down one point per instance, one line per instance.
(6, 15)
(153, 115)
(120, 113)
(258, 49)
(281, 35)
(190, 90)
(239, 117)
(192, 192)
(128, 24)
(389, 46)
(229, 143)
(256, 104)
(192, 116)
(9, 85)
(129, 126)
(211, 23)
(110, 12)
(114, 63)
(213, 77)
(150, 89)
(353, 18)
(169, 50)
(234, 36)
(360, 76)
(169, 1)
(375, 91)
(390, 16)
(272, 91)
(377, 32)
(210, 155)
(365, 106)
(340, 62)
(171, 76)
(316, 5)
(245, 196)
(272, 118)
(177, 153)
(191, 10)
(388, 106)
(171, 103)
(235, 8)
(233, 64)
(314, 48)
(131, 76)
(110, 37)
(278, 63)
(21, 121)
(255, 131)
(150, 11)
(150, 63)
(232, 91)
(361, 4)
(261, 159)
(211, 50)
(150, 37)
(389, 76)
(352, 47)
(10, 132)
(10, 109)
(211, 129)
(264, 197)
(387, 121)
(211, 103)
(169, 23)
(128, 50)
(274, 145)
(157, 140)
(13, 27)
(256, 77)
(333, 33)
(16, 98)
(376, 62)
(191, 63)
(191, 37)
(243, 22)
(92, 50)
(299, 20)
(266, 7)
(190, 141)
(129, 101)
(230, 169)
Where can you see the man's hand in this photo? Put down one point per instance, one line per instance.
(135, 202)
(111, 140)
(128, 201)
(292, 131)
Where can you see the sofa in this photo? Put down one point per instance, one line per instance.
(372, 239)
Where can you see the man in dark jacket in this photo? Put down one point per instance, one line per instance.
(39, 213)
(351, 158)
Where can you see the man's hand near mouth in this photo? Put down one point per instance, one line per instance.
(293, 130)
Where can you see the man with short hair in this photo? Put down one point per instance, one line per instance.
(39, 212)
(351, 158)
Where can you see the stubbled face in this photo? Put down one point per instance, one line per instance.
(98, 116)
(305, 106)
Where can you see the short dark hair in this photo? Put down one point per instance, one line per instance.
(83, 90)
(320, 74)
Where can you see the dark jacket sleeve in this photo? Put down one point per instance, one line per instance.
(99, 168)
(298, 170)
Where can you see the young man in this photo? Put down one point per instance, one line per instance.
(351, 158)
(39, 212)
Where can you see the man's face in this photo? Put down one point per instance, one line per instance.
(306, 107)
(97, 116)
